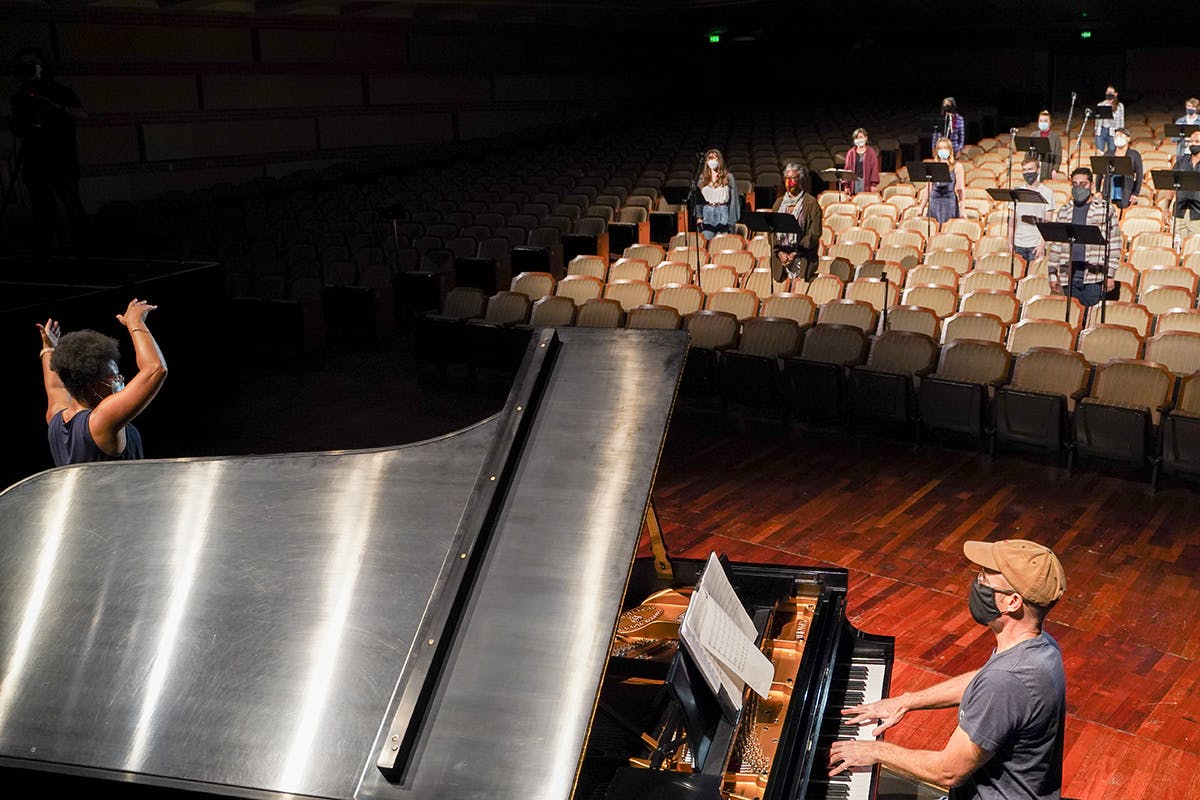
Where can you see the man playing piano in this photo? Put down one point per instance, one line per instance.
(1009, 741)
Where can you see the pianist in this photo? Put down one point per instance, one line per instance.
(1009, 741)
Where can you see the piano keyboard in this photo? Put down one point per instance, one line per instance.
(861, 683)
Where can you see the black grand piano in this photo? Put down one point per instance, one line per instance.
(461, 618)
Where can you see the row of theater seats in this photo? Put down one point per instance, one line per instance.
(1046, 397)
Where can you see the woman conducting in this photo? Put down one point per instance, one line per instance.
(89, 407)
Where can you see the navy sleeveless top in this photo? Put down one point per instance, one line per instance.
(72, 443)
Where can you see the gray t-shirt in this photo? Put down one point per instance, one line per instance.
(1015, 707)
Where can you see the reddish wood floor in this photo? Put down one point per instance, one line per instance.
(896, 517)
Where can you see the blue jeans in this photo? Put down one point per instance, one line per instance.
(1104, 140)
(1025, 253)
(1088, 293)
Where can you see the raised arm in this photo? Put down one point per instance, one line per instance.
(117, 410)
(57, 396)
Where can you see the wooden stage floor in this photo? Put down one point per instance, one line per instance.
(896, 517)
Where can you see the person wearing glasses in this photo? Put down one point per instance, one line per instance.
(1011, 711)
(89, 406)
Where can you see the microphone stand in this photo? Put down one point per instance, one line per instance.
(1087, 113)
(692, 204)
(1012, 144)
(1067, 130)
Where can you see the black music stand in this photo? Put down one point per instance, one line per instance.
(1176, 180)
(1073, 234)
(1015, 196)
(1038, 145)
(1179, 131)
(1103, 112)
(838, 175)
(928, 172)
(773, 223)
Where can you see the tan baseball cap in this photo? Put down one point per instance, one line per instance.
(1032, 569)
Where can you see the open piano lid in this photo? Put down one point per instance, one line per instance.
(260, 626)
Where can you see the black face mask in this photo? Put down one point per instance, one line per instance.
(1030, 177)
(982, 602)
(1194, 149)
(947, 109)
(1110, 96)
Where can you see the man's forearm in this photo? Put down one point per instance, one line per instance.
(924, 765)
(946, 694)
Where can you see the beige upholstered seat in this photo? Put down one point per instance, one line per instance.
(533, 285)
(684, 298)
(1030, 333)
(1101, 343)
(652, 317)
(600, 313)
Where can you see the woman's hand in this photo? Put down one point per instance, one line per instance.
(51, 333)
(135, 314)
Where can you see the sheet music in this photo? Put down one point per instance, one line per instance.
(720, 635)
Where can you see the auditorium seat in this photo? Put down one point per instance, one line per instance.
(759, 281)
(974, 325)
(957, 396)
(788, 305)
(1119, 417)
(1034, 408)
(1032, 286)
(588, 265)
(1181, 277)
(858, 313)
(742, 303)
(1181, 430)
(751, 374)
(438, 337)
(684, 298)
(650, 253)
(552, 311)
(1030, 333)
(1178, 351)
(653, 317)
(1102, 342)
(980, 278)
(1180, 319)
(1161, 299)
(488, 341)
(580, 288)
(992, 301)
(943, 300)
(711, 332)
(629, 269)
(669, 272)
(817, 376)
(915, 319)
(879, 294)
(533, 285)
(958, 260)
(883, 389)
(629, 292)
(713, 277)
(742, 261)
(1054, 306)
(600, 313)
(926, 274)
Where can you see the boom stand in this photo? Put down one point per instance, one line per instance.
(928, 172)
(1176, 180)
(1015, 196)
(1087, 113)
(1111, 166)
(1071, 234)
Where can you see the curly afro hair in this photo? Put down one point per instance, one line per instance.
(82, 359)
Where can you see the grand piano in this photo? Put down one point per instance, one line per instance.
(464, 617)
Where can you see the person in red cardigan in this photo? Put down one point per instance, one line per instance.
(863, 161)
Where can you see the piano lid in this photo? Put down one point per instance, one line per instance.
(243, 626)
